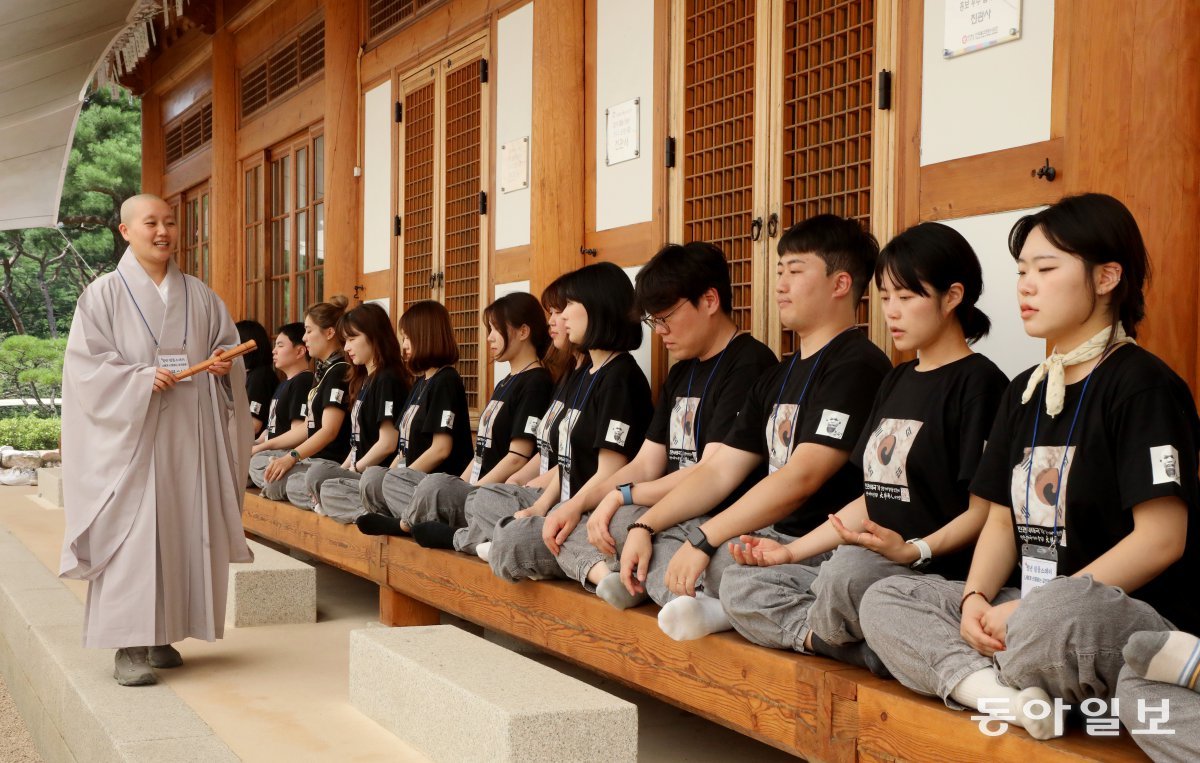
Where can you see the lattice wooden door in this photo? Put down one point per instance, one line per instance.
(419, 150)
(719, 136)
(828, 102)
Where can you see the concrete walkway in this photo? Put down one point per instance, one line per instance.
(15, 742)
(280, 693)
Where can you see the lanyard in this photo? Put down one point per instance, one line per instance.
(503, 386)
(333, 362)
(703, 393)
(146, 323)
(803, 392)
(581, 403)
(1066, 449)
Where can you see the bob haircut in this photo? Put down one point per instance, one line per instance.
(558, 362)
(372, 321)
(1097, 229)
(511, 312)
(429, 331)
(327, 314)
(683, 271)
(260, 356)
(607, 295)
(842, 243)
(937, 256)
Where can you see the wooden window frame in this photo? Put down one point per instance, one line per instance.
(294, 36)
(195, 111)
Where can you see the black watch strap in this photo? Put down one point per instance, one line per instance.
(700, 541)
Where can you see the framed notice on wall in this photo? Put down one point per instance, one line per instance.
(622, 128)
(973, 25)
(514, 165)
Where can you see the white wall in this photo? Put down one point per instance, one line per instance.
(514, 118)
(377, 179)
(500, 370)
(1006, 344)
(989, 100)
(625, 70)
(642, 354)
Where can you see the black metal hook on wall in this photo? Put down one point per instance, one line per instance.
(1045, 171)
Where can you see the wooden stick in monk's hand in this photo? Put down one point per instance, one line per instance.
(230, 354)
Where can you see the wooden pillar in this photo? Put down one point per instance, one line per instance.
(342, 212)
(1133, 131)
(557, 174)
(396, 608)
(153, 161)
(228, 271)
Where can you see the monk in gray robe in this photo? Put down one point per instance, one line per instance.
(154, 468)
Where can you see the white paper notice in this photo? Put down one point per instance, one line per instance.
(972, 25)
(623, 131)
(514, 165)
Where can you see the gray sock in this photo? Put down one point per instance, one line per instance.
(611, 589)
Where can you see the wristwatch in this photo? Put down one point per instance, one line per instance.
(926, 554)
(699, 540)
(626, 493)
(295, 454)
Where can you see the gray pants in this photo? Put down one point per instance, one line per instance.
(296, 486)
(440, 498)
(778, 606)
(518, 552)
(485, 507)
(370, 489)
(277, 490)
(577, 557)
(337, 490)
(1065, 637)
(398, 487)
(1143, 697)
(667, 542)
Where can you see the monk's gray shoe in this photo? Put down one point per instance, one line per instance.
(133, 667)
(165, 656)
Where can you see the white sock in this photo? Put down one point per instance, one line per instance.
(1168, 656)
(483, 549)
(687, 617)
(611, 589)
(984, 685)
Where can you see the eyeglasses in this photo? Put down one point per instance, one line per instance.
(657, 323)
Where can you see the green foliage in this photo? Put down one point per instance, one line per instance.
(31, 368)
(30, 432)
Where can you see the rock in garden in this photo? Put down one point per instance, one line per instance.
(51, 458)
(21, 459)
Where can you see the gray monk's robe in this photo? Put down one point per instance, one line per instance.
(152, 481)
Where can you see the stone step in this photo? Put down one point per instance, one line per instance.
(459, 697)
(50, 486)
(274, 589)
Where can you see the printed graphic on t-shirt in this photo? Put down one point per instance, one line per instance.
(447, 419)
(387, 408)
(682, 438)
(486, 421)
(1164, 464)
(885, 459)
(255, 406)
(780, 425)
(531, 426)
(617, 432)
(1047, 490)
(565, 425)
(335, 395)
(833, 424)
(271, 415)
(406, 424)
(354, 428)
(543, 431)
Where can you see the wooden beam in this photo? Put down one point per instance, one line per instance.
(991, 182)
(557, 177)
(153, 157)
(226, 220)
(397, 609)
(341, 97)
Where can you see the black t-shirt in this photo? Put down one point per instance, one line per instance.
(330, 390)
(927, 438)
(513, 413)
(1135, 440)
(289, 403)
(380, 399)
(823, 399)
(700, 401)
(437, 405)
(547, 431)
(261, 383)
(608, 410)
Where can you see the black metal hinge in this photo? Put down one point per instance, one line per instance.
(483, 202)
(883, 100)
(396, 229)
(483, 70)
(399, 112)
(669, 151)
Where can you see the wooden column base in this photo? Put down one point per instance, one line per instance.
(397, 609)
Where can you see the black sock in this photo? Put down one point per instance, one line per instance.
(434, 535)
(857, 653)
(379, 524)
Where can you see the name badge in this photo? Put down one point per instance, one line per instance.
(564, 483)
(544, 463)
(687, 460)
(175, 361)
(476, 468)
(1039, 565)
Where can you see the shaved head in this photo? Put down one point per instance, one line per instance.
(134, 205)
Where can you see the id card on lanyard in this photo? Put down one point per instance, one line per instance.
(691, 418)
(791, 432)
(173, 359)
(567, 426)
(1039, 564)
(411, 406)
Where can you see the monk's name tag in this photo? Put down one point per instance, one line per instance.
(175, 361)
(1039, 565)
